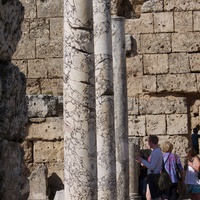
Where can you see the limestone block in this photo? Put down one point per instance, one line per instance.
(55, 67)
(38, 183)
(177, 83)
(128, 43)
(156, 124)
(30, 8)
(149, 83)
(10, 26)
(41, 105)
(136, 44)
(49, 47)
(185, 42)
(25, 49)
(152, 6)
(142, 25)
(177, 124)
(37, 120)
(136, 125)
(50, 8)
(196, 16)
(180, 5)
(180, 143)
(28, 149)
(48, 152)
(163, 22)
(37, 69)
(194, 109)
(194, 62)
(134, 65)
(134, 85)
(156, 43)
(22, 64)
(198, 82)
(56, 27)
(25, 28)
(183, 21)
(33, 86)
(39, 28)
(179, 63)
(162, 105)
(52, 86)
(155, 63)
(133, 105)
(51, 129)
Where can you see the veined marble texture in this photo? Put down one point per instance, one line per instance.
(103, 47)
(79, 102)
(106, 162)
(121, 107)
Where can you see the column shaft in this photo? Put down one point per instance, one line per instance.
(120, 108)
(79, 102)
(104, 100)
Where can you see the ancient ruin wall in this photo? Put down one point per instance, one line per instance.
(162, 73)
(13, 107)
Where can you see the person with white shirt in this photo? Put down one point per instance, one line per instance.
(191, 176)
(154, 166)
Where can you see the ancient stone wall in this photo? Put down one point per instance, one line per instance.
(163, 59)
(13, 107)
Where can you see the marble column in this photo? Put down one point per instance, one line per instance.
(120, 108)
(134, 150)
(106, 162)
(79, 102)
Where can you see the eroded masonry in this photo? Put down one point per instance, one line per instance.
(162, 45)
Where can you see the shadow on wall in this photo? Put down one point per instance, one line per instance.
(55, 184)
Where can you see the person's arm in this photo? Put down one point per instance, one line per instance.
(153, 161)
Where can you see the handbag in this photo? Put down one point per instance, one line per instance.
(164, 181)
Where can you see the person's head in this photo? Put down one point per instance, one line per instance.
(191, 152)
(167, 147)
(195, 130)
(153, 140)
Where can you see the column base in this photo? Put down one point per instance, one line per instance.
(134, 196)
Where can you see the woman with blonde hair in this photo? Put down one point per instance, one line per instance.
(172, 164)
(191, 177)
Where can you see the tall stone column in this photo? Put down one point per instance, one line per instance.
(106, 162)
(134, 150)
(120, 108)
(79, 102)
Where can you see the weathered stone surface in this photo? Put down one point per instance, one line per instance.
(149, 84)
(156, 43)
(136, 125)
(194, 62)
(38, 183)
(50, 8)
(134, 65)
(22, 65)
(33, 86)
(134, 85)
(162, 105)
(12, 13)
(185, 42)
(41, 105)
(55, 67)
(56, 27)
(48, 152)
(196, 16)
(163, 22)
(155, 63)
(28, 149)
(156, 124)
(133, 106)
(177, 124)
(180, 5)
(60, 195)
(183, 21)
(179, 63)
(177, 83)
(51, 129)
(30, 8)
(152, 6)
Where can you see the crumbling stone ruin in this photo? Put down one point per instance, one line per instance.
(163, 58)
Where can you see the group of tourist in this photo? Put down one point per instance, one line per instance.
(186, 177)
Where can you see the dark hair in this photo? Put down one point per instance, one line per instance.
(191, 151)
(195, 130)
(154, 139)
